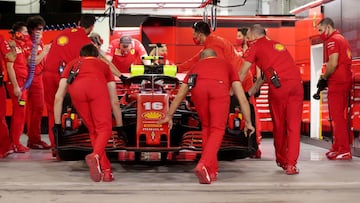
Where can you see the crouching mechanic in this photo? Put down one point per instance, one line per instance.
(91, 85)
(212, 106)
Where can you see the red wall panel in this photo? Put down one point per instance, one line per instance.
(93, 4)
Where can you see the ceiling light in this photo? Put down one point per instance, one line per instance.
(159, 4)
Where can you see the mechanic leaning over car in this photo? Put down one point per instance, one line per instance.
(212, 106)
(126, 51)
(223, 48)
(91, 85)
(98, 42)
(337, 78)
(285, 93)
(64, 48)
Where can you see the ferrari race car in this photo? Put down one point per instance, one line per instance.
(145, 98)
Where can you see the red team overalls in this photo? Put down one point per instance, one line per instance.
(212, 105)
(123, 61)
(35, 104)
(224, 50)
(90, 96)
(18, 115)
(65, 47)
(4, 132)
(286, 102)
(339, 85)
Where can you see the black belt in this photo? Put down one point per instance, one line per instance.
(1, 80)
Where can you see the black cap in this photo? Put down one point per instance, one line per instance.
(126, 40)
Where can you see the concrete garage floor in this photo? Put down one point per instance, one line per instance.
(35, 177)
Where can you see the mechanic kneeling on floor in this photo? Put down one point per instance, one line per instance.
(212, 106)
(91, 85)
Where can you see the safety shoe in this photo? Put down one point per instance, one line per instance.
(19, 148)
(202, 174)
(281, 165)
(332, 150)
(291, 170)
(108, 175)
(213, 176)
(11, 150)
(92, 160)
(5, 154)
(40, 145)
(331, 155)
(340, 156)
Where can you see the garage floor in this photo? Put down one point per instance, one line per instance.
(36, 177)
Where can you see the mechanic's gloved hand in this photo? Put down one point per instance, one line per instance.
(57, 130)
(247, 95)
(121, 133)
(123, 78)
(322, 84)
(257, 94)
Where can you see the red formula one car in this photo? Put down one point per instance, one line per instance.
(145, 98)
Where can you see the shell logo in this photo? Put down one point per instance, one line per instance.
(63, 40)
(279, 47)
(152, 115)
(73, 30)
(117, 51)
(132, 51)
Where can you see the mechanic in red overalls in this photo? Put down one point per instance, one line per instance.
(4, 131)
(223, 48)
(285, 93)
(241, 45)
(212, 106)
(35, 100)
(93, 94)
(65, 47)
(338, 77)
(18, 72)
(126, 51)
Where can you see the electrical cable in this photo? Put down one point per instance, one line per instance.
(213, 22)
(213, 14)
(232, 6)
(205, 15)
(112, 18)
(33, 54)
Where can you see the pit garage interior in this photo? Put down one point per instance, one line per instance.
(37, 176)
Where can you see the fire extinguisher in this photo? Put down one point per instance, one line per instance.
(234, 121)
(70, 120)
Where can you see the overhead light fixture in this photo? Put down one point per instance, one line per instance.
(308, 6)
(159, 1)
(137, 4)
